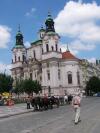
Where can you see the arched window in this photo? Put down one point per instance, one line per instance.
(52, 48)
(56, 47)
(69, 74)
(19, 58)
(47, 48)
(23, 57)
(31, 76)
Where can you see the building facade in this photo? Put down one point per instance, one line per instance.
(58, 72)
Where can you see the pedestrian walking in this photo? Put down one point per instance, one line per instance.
(70, 97)
(65, 99)
(28, 102)
(76, 103)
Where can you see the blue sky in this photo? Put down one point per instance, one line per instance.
(77, 22)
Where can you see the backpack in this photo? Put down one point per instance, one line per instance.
(76, 101)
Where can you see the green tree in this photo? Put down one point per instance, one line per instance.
(5, 83)
(30, 86)
(37, 87)
(93, 85)
(19, 87)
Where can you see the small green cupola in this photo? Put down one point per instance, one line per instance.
(41, 33)
(49, 23)
(42, 29)
(19, 38)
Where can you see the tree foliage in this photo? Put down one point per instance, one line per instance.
(31, 86)
(18, 87)
(5, 83)
(37, 87)
(93, 85)
(28, 86)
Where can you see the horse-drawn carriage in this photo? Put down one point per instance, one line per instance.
(44, 103)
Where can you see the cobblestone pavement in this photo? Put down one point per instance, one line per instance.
(58, 120)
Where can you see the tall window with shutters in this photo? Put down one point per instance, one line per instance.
(69, 75)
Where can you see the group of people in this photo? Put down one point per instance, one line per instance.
(44, 103)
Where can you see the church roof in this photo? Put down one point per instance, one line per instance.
(35, 42)
(68, 55)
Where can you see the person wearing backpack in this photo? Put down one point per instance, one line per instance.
(76, 102)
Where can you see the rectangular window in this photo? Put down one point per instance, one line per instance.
(31, 76)
(34, 54)
(78, 78)
(35, 74)
(47, 48)
(48, 75)
(69, 78)
(58, 64)
(23, 57)
(59, 74)
(19, 58)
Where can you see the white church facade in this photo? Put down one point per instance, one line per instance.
(58, 72)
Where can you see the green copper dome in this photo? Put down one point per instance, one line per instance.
(49, 18)
(19, 38)
(49, 23)
(42, 29)
(19, 34)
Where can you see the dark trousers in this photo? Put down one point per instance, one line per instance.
(28, 105)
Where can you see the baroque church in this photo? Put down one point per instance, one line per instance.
(58, 72)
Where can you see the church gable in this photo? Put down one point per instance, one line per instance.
(69, 56)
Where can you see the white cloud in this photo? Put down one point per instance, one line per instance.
(4, 68)
(30, 13)
(92, 34)
(92, 60)
(5, 36)
(78, 45)
(27, 44)
(79, 21)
